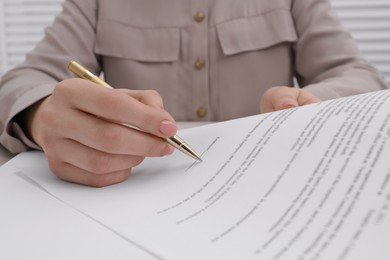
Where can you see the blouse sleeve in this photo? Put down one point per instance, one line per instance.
(328, 61)
(71, 36)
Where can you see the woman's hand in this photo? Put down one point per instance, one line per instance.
(79, 129)
(278, 98)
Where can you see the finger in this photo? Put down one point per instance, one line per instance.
(109, 137)
(278, 98)
(153, 99)
(147, 97)
(71, 173)
(116, 106)
(306, 98)
(92, 160)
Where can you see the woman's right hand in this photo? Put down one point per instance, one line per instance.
(78, 127)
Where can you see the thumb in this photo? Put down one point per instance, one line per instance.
(278, 98)
(285, 102)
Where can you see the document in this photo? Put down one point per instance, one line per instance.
(305, 183)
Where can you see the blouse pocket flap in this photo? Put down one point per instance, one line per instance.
(257, 32)
(141, 44)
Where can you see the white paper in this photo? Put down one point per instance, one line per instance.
(305, 183)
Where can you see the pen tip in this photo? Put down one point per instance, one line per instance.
(199, 159)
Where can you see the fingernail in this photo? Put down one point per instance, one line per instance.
(168, 150)
(289, 105)
(168, 128)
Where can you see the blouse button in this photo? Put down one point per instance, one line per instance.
(201, 112)
(199, 64)
(199, 16)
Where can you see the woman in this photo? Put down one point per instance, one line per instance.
(189, 60)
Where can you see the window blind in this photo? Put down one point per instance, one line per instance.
(22, 24)
(369, 23)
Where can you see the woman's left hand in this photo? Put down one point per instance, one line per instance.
(278, 98)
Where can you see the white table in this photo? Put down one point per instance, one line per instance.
(4, 155)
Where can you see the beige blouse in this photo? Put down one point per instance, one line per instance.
(209, 59)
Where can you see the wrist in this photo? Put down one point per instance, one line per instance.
(27, 120)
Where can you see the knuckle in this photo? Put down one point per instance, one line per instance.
(107, 99)
(137, 160)
(60, 89)
(98, 182)
(109, 179)
(153, 93)
(48, 117)
(66, 88)
(147, 122)
(156, 150)
(110, 138)
(55, 166)
(100, 163)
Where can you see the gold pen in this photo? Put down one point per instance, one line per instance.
(175, 141)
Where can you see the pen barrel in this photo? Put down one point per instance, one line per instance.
(179, 144)
(83, 73)
(175, 141)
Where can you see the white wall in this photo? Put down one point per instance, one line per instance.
(22, 23)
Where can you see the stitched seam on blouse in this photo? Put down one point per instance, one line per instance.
(139, 27)
(255, 15)
(179, 27)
